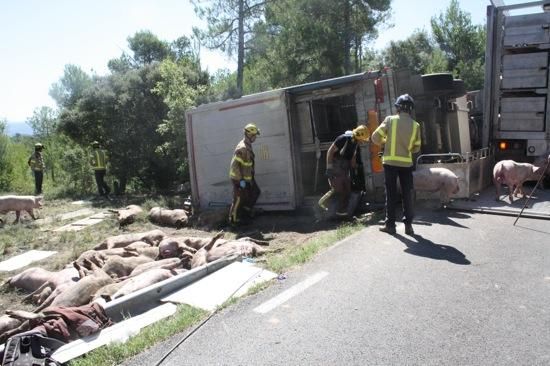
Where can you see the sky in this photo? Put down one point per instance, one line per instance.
(39, 37)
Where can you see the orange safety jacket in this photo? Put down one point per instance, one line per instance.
(98, 159)
(242, 163)
(401, 136)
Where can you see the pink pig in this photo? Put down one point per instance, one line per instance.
(436, 179)
(513, 174)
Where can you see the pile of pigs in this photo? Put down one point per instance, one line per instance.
(118, 266)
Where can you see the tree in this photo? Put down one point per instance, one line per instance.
(230, 26)
(462, 43)
(147, 48)
(70, 87)
(6, 168)
(413, 53)
(309, 40)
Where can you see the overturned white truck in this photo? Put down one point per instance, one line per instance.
(461, 131)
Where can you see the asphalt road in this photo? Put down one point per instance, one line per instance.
(468, 289)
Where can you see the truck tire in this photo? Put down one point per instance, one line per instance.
(441, 83)
(459, 89)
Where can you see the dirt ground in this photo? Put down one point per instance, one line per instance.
(283, 230)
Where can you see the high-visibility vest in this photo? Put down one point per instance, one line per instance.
(242, 163)
(36, 162)
(98, 159)
(401, 136)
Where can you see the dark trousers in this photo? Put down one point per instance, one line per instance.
(102, 187)
(341, 183)
(391, 173)
(244, 200)
(38, 179)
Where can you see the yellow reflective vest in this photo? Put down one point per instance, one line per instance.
(98, 159)
(36, 162)
(400, 135)
(242, 163)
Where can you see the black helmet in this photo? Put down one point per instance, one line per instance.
(405, 103)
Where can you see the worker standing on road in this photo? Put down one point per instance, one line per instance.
(400, 135)
(241, 172)
(98, 160)
(36, 163)
(341, 158)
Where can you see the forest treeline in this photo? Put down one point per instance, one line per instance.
(137, 110)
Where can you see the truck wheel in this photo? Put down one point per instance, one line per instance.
(459, 89)
(441, 83)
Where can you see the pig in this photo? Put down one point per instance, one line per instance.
(8, 323)
(152, 237)
(513, 174)
(151, 252)
(162, 216)
(33, 278)
(127, 215)
(143, 280)
(107, 291)
(78, 293)
(118, 267)
(436, 179)
(20, 203)
(138, 245)
(243, 246)
(169, 263)
(171, 247)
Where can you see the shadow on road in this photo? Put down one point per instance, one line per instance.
(426, 248)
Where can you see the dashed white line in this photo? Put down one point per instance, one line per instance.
(290, 293)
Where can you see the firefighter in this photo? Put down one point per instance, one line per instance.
(341, 158)
(36, 163)
(98, 161)
(400, 135)
(241, 173)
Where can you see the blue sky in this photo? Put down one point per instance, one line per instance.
(39, 37)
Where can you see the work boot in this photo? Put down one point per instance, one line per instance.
(409, 229)
(387, 229)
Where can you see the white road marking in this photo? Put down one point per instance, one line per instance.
(290, 293)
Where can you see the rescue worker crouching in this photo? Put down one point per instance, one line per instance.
(98, 161)
(400, 135)
(341, 158)
(241, 173)
(36, 163)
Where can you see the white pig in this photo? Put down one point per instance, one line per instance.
(513, 174)
(20, 203)
(436, 179)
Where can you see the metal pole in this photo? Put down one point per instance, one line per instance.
(534, 189)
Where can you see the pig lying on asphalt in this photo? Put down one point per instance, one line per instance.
(436, 179)
(162, 216)
(152, 237)
(513, 174)
(20, 203)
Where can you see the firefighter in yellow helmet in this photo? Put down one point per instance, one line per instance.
(341, 158)
(98, 161)
(241, 173)
(400, 135)
(36, 163)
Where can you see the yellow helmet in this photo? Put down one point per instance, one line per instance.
(361, 133)
(251, 129)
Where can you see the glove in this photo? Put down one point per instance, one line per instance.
(242, 183)
(329, 173)
(380, 154)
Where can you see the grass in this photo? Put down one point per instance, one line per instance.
(295, 256)
(187, 316)
(18, 238)
(115, 354)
